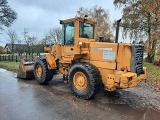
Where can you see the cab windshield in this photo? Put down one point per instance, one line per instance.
(86, 30)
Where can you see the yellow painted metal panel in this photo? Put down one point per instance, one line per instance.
(51, 61)
(124, 57)
(105, 72)
(104, 64)
(103, 51)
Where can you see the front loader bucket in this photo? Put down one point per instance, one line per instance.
(26, 70)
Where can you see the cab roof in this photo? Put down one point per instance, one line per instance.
(79, 19)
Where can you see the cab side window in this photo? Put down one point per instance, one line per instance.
(86, 30)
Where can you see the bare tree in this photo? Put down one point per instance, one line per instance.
(25, 35)
(31, 43)
(29, 40)
(55, 34)
(7, 15)
(13, 37)
(46, 40)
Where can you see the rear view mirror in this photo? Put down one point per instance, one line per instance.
(60, 22)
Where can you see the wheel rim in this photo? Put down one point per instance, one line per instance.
(39, 70)
(80, 81)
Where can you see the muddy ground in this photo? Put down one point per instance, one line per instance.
(27, 100)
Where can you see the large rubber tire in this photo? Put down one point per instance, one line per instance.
(81, 73)
(45, 75)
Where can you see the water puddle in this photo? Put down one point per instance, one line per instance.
(2, 70)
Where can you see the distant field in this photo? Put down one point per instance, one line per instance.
(13, 66)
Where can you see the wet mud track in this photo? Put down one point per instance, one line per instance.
(27, 100)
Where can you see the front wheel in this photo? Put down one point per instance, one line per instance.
(84, 80)
(41, 72)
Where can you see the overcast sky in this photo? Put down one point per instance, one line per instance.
(38, 16)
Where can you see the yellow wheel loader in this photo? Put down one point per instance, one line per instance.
(87, 64)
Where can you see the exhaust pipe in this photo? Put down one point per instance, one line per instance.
(117, 30)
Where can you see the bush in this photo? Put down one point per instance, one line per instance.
(146, 59)
(157, 63)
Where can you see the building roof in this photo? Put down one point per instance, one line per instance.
(9, 46)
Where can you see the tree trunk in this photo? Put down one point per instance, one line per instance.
(151, 53)
(149, 57)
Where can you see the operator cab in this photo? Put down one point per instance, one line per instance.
(77, 29)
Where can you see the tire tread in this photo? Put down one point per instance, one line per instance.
(95, 82)
(47, 75)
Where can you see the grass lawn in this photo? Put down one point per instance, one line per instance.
(9, 65)
(153, 74)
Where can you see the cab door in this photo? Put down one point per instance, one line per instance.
(68, 41)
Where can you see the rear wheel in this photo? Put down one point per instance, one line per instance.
(84, 80)
(41, 72)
